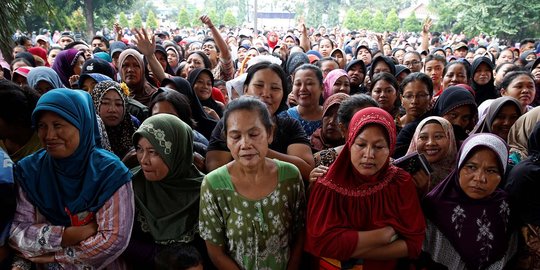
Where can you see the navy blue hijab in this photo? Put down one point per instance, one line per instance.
(81, 182)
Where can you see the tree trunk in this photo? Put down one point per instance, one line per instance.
(89, 14)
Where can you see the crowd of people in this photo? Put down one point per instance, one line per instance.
(300, 149)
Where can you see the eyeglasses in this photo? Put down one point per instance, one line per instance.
(417, 97)
(413, 63)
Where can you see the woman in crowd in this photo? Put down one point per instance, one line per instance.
(173, 57)
(519, 85)
(362, 178)
(363, 53)
(17, 137)
(307, 89)
(252, 210)
(202, 81)
(20, 75)
(434, 68)
(382, 64)
(326, 46)
(337, 81)
(110, 101)
(519, 134)
(416, 92)
(339, 55)
(44, 79)
(290, 144)
(132, 70)
(522, 187)
(166, 187)
(456, 104)
(384, 89)
(329, 134)
(75, 203)
(357, 73)
(346, 111)
(482, 81)
(205, 124)
(161, 56)
(500, 116)
(455, 73)
(501, 71)
(535, 72)
(68, 66)
(413, 60)
(218, 52)
(468, 206)
(434, 138)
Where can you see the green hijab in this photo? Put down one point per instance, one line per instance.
(168, 209)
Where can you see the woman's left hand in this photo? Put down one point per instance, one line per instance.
(317, 172)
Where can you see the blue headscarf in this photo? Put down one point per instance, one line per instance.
(80, 183)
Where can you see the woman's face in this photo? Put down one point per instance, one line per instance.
(17, 50)
(340, 58)
(342, 85)
(52, 55)
(415, 99)
(203, 86)
(531, 57)
(57, 136)
(132, 72)
(385, 94)
(328, 66)
(111, 109)
(247, 138)
(252, 53)
(164, 107)
(325, 47)
(364, 55)
(43, 87)
(434, 69)
(460, 116)
(399, 56)
(536, 74)
(162, 59)
(433, 142)
(470, 57)
(357, 74)
(506, 57)
(483, 74)
(306, 88)
(330, 126)
(152, 165)
(77, 68)
(456, 74)
(370, 150)
(387, 50)
(522, 89)
(194, 61)
(504, 120)
(88, 85)
(210, 50)
(480, 174)
(499, 76)
(19, 79)
(267, 85)
(381, 66)
(172, 58)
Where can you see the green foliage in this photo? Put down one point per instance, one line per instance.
(365, 19)
(195, 18)
(183, 18)
(229, 19)
(412, 24)
(392, 22)
(333, 14)
(136, 21)
(314, 16)
(122, 20)
(378, 24)
(151, 20)
(213, 16)
(76, 21)
(351, 20)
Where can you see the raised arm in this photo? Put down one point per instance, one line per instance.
(425, 34)
(224, 52)
(147, 45)
(304, 38)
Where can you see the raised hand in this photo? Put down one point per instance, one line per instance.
(207, 21)
(427, 25)
(145, 43)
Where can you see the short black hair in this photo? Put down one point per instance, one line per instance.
(417, 76)
(250, 104)
(351, 105)
(17, 103)
(179, 102)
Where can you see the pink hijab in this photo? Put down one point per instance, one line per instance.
(331, 79)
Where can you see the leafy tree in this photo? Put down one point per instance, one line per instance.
(76, 21)
(313, 17)
(122, 20)
(183, 18)
(412, 24)
(195, 18)
(392, 22)
(212, 13)
(333, 14)
(136, 21)
(351, 20)
(378, 22)
(151, 20)
(364, 20)
(229, 19)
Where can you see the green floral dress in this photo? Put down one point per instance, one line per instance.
(258, 234)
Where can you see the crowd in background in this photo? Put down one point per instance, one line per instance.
(307, 148)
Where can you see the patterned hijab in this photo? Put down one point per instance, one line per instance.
(120, 135)
(442, 168)
(477, 229)
(80, 183)
(169, 208)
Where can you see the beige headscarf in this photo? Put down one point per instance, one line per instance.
(518, 136)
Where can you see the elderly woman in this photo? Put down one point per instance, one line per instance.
(469, 206)
(252, 209)
(75, 202)
(166, 187)
(387, 224)
(329, 135)
(131, 70)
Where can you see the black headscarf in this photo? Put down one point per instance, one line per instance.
(356, 89)
(161, 49)
(451, 98)
(486, 91)
(205, 124)
(386, 60)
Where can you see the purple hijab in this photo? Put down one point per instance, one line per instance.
(64, 63)
(477, 229)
